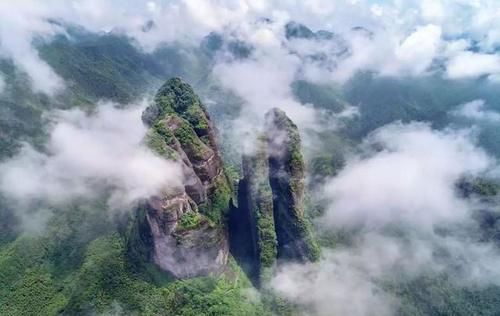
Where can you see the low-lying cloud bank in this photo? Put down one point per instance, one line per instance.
(389, 37)
(411, 180)
(477, 110)
(401, 200)
(87, 155)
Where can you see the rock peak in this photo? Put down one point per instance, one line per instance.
(184, 233)
(269, 222)
(287, 177)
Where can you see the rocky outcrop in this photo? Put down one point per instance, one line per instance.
(269, 222)
(182, 230)
(287, 177)
(252, 223)
(184, 242)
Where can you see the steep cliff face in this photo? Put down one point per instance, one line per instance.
(252, 224)
(182, 231)
(269, 222)
(286, 177)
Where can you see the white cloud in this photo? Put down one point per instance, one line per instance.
(151, 5)
(86, 155)
(455, 47)
(394, 200)
(411, 180)
(352, 280)
(19, 24)
(263, 82)
(336, 286)
(391, 54)
(476, 110)
(432, 10)
(408, 35)
(468, 64)
(418, 50)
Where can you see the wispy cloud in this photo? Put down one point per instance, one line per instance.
(396, 199)
(468, 64)
(477, 110)
(409, 35)
(87, 155)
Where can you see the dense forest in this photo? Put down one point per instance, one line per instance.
(227, 176)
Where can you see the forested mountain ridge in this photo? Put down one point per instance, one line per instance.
(217, 241)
